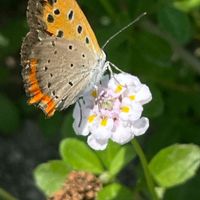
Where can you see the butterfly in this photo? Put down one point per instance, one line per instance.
(60, 55)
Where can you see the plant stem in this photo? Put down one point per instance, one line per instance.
(145, 167)
(5, 195)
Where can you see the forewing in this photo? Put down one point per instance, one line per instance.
(53, 73)
(61, 18)
(58, 71)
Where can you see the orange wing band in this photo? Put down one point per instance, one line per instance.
(46, 103)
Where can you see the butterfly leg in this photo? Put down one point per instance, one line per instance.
(109, 66)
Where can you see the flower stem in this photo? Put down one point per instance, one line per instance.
(5, 195)
(145, 167)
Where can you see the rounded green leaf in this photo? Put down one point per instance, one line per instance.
(115, 157)
(186, 5)
(51, 176)
(113, 192)
(175, 164)
(80, 156)
(9, 115)
(121, 159)
(176, 23)
(109, 153)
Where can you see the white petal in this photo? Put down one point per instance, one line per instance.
(102, 132)
(144, 95)
(89, 100)
(135, 113)
(82, 109)
(80, 115)
(140, 126)
(76, 111)
(96, 144)
(122, 135)
(81, 129)
(116, 87)
(127, 79)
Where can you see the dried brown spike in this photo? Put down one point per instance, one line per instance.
(79, 186)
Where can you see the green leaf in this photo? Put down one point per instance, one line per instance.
(51, 176)
(115, 192)
(115, 157)
(175, 164)
(9, 115)
(109, 153)
(186, 5)
(4, 195)
(190, 190)
(80, 156)
(121, 159)
(176, 23)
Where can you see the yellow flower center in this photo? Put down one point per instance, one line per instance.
(118, 89)
(94, 93)
(91, 118)
(104, 122)
(132, 97)
(125, 109)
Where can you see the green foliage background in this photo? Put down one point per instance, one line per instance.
(163, 50)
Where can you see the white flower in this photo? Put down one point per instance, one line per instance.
(112, 110)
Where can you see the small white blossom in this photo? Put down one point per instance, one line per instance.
(112, 110)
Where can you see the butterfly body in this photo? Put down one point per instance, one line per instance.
(60, 55)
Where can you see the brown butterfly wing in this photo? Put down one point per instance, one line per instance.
(54, 77)
(50, 80)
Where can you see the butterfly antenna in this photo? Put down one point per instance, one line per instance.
(123, 29)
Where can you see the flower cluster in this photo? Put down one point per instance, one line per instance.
(112, 110)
